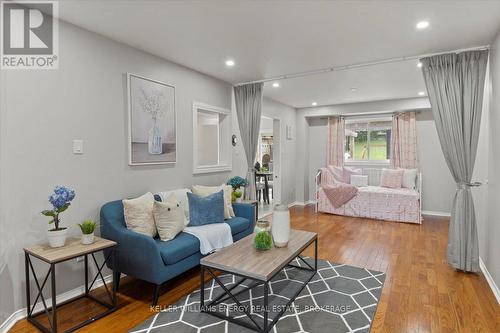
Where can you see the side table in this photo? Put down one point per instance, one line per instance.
(53, 256)
(255, 203)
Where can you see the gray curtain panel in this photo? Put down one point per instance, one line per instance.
(248, 100)
(455, 84)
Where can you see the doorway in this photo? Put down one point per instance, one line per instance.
(268, 165)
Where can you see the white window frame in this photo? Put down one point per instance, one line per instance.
(224, 140)
(367, 162)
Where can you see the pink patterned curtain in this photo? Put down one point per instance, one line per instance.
(336, 137)
(404, 141)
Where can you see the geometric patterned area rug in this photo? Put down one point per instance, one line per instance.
(339, 298)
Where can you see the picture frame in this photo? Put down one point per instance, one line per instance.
(152, 121)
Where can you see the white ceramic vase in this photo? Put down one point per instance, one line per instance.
(57, 238)
(280, 227)
(87, 239)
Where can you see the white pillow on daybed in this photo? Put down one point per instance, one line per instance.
(359, 180)
(409, 178)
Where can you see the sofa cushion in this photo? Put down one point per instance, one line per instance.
(238, 224)
(182, 246)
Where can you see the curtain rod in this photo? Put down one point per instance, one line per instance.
(373, 113)
(360, 65)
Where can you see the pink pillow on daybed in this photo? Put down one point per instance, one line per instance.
(343, 174)
(392, 178)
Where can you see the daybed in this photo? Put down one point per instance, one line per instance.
(373, 201)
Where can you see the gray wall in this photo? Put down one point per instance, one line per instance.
(286, 114)
(489, 227)
(43, 111)
(438, 185)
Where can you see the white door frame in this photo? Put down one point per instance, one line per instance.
(280, 155)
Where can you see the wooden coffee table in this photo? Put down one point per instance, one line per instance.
(243, 260)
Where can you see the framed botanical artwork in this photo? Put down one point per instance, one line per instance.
(152, 133)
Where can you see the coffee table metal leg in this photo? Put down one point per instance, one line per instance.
(316, 255)
(266, 305)
(202, 287)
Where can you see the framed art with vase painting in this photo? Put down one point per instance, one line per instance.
(151, 121)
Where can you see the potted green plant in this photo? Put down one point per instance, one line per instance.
(263, 240)
(61, 200)
(237, 183)
(87, 227)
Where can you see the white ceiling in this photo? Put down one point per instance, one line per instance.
(271, 38)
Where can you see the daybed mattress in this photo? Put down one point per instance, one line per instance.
(402, 205)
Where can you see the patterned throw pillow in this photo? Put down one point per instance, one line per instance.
(348, 172)
(392, 178)
(343, 174)
(169, 218)
(206, 210)
(338, 174)
(138, 214)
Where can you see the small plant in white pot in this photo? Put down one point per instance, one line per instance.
(60, 200)
(88, 227)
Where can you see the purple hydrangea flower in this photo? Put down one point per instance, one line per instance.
(61, 196)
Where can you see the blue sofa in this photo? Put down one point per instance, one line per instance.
(153, 260)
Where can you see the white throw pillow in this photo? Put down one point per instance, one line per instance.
(359, 180)
(138, 214)
(409, 178)
(181, 196)
(207, 190)
(169, 218)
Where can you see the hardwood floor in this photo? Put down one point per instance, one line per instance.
(421, 292)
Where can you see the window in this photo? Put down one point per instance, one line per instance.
(368, 140)
(211, 139)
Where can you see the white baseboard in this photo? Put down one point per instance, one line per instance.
(491, 282)
(432, 213)
(21, 313)
(302, 203)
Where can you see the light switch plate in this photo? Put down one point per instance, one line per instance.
(77, 146)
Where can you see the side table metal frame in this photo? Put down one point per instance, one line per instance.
(51, 311)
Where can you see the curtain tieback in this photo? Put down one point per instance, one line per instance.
(463, 185)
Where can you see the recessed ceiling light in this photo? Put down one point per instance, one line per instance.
(353, 89)
(422, 24)
(314, 103)
(421, 93)
(276, 84)
(230, 63)
(419, 64)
